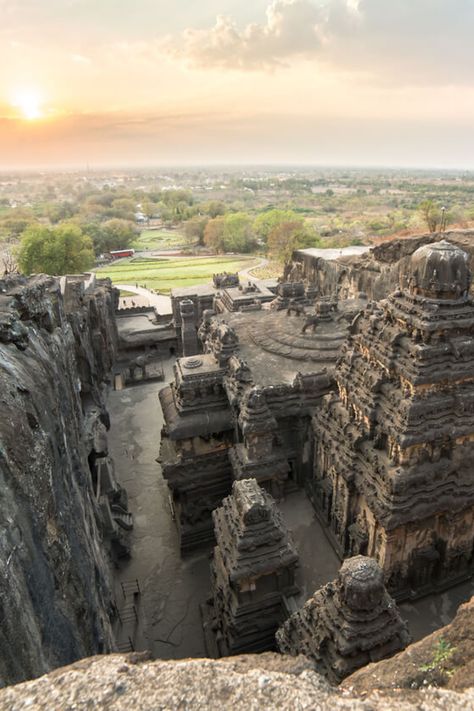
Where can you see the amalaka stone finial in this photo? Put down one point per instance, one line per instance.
(362, 585)
(439, 271)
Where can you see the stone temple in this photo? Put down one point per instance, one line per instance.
(393, 448)
(339, 400)
(350, 622)
(252, 573)
(241, 408)
(366, 405)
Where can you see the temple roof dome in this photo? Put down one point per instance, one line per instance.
(362, 583)
(439, 271)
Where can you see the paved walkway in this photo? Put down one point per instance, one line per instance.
(161, 302)
(171, 587)
(247, 272)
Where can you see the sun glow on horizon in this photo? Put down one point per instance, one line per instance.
(28, 103)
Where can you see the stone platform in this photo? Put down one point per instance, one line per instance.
(281, 335)
(275, 349)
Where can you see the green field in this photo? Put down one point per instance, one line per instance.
(164, 274)
(159, 239)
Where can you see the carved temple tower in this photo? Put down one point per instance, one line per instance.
(198, 430)
(257, 456)
(346, 624)
(393, 473)
(252, 573)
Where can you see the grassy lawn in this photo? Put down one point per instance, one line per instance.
(164, 274)
(159, 239)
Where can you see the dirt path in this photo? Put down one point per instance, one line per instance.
(247, 272)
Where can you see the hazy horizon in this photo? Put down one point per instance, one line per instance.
(364, 83)
(230, 167)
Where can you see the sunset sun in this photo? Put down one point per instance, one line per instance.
(28, 104)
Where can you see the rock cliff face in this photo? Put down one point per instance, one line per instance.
(375, 273)
(57, 342)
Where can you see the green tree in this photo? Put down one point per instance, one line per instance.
(288, 236)
(63, 249)
(431, 214)
(174, 197)
(267, 221)
(238, 233)
(59, 211)
(214, 208)
(214, 234)
(123, 208)
(114, 234)
(14, 223)
(230, 233)
(149, 209)
(194, 229)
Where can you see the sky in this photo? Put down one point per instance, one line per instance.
(311, 82)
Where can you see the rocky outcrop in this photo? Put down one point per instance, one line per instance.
(57, 343)
(245, 683)
(376, 273)
(443, 659)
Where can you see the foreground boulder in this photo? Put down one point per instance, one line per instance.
(246, 683)
(443, 659)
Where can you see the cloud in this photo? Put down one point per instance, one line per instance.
(80, 59)
(291, 28)
(406, 41)
(411, 41)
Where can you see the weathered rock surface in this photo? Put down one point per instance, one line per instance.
(245, 683)
(54, 592)
(444, 659)
(375, 273)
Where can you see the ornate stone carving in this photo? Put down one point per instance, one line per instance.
(347, 623)
(253, 570)
(400, 436)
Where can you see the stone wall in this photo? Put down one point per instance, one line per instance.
(54, 590)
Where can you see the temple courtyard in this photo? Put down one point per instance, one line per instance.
(173, 587)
